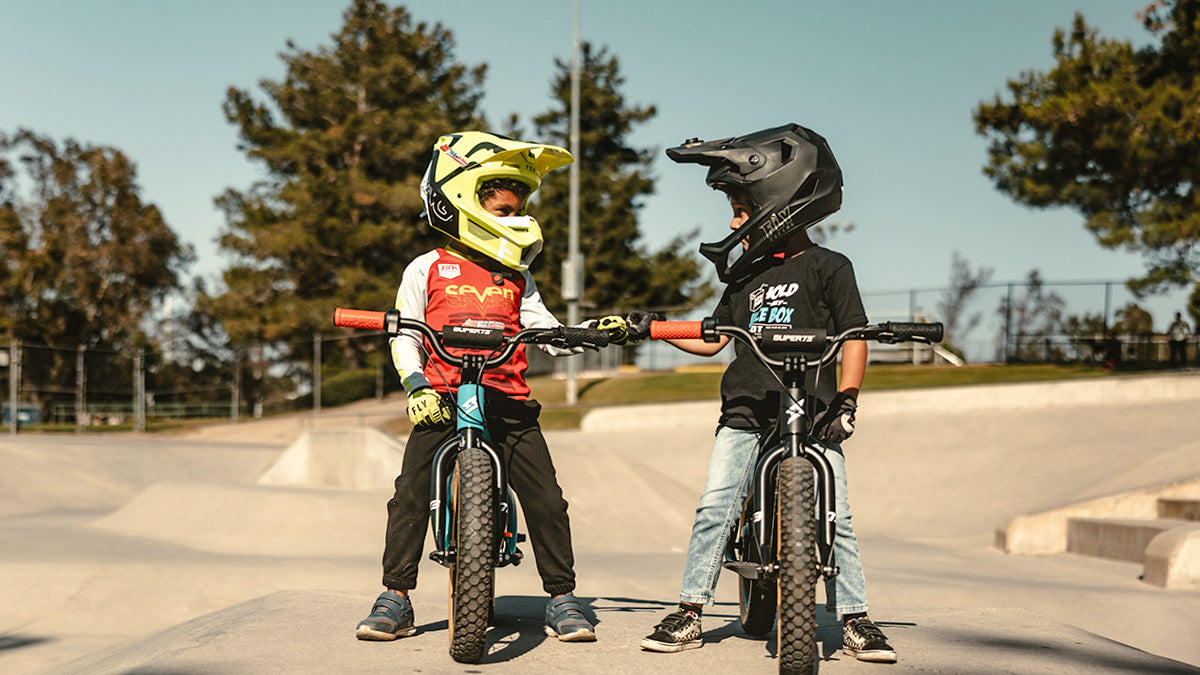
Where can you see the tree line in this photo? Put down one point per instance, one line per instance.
(1111, 131)
(342, 140)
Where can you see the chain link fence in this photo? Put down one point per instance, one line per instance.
(76, 388)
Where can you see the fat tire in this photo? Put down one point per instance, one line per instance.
(472, 574)
(756, 597)
(798, 573)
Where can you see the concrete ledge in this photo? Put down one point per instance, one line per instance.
(1172, 559)
(1114, 539)
(1179, 509)
(665, 416)
(1046, 532)
(1016, 396)
(1034, 395)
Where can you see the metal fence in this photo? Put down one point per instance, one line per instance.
(80, 388)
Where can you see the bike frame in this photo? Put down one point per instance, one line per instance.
(472, 432)
(793, 441)
(793, 428)
(471, 425)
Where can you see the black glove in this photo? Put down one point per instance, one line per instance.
(836, 423)
(638, 323)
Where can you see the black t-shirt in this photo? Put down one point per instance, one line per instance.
(815, 289)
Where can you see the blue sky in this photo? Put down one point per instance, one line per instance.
(890, 84)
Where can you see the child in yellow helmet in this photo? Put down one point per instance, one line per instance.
(475, 191)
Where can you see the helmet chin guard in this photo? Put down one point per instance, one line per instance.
(787, 174)
(461, 163)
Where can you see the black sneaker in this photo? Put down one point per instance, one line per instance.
(679, 631)
(863, 640)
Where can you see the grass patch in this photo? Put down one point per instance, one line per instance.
(885, 377)
(668, 387)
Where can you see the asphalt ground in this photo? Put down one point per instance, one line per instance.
(151, 554)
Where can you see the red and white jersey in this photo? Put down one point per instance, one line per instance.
(441, 289)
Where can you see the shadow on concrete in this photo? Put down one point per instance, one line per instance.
(17, 641)
(1074, 654)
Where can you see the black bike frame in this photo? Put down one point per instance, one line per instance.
(795, 430)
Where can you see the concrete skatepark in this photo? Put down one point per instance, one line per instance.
(254, 547)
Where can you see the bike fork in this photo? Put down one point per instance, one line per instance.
(796, 425)
(764, 504)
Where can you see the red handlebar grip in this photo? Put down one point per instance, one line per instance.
(663, 330)
(358, 318)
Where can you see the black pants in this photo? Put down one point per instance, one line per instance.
(516, 434)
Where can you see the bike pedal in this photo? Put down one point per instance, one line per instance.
(748, 570)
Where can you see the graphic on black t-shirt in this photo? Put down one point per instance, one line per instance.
(815, 289)
(769, 306)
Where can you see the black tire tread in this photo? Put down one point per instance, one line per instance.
(472, 575)
(798, 574)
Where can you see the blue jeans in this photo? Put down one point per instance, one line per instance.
(730, 468)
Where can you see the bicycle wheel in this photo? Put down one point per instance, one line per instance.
(472, 574)
(756, 597)
(798, 572)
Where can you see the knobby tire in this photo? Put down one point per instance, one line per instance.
(472, 574)
(798, 574)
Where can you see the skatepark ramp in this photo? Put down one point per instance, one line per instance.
(356, 458)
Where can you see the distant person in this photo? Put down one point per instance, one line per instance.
(779, 182)
(1177, 337)
(475, 191)
(1112, 351)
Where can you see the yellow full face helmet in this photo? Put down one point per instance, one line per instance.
(461, 163)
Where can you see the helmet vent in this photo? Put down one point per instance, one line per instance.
(785, 152)
(477, 231)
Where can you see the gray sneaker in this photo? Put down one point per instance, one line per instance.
(566, 621)
(391, 617)
(679, 631)
(863, 640)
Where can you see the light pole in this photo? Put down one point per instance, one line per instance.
(573, 265)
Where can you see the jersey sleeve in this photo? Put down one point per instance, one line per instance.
(411, 300)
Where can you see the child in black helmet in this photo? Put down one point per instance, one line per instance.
(779, 182)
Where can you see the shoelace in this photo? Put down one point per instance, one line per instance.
(866, 629)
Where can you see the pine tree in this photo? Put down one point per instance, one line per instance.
(1113, 132)
(343, 140)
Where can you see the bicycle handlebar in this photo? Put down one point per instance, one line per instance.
(471, 337)
(809, 340)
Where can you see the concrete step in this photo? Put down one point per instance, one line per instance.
(1179, 509)
(1115, 539)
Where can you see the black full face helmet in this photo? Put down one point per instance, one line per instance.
(787, 174)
